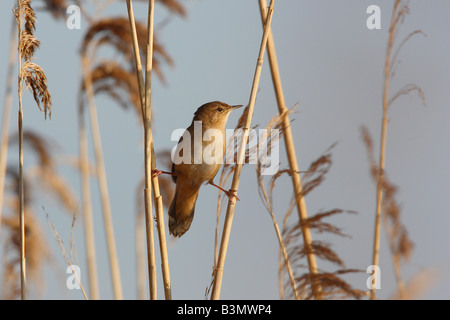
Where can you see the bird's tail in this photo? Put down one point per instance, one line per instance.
(181, 213)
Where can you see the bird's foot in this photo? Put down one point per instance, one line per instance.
(156, 172)
(231, 194)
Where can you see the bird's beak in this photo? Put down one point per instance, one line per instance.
(236, 107)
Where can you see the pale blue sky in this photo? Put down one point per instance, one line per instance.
(332, 66)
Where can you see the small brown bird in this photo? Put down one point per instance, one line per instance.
(190, 172)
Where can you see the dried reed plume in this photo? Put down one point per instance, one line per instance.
(45, 173)
(30, 73)
(111, 78)
(334, 286)
(173, 6)
(331, 283)
(116, 32)
(37, 252)
(36, 81)
(56, 7)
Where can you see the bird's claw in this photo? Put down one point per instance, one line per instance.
(232, 194)
(156, 172)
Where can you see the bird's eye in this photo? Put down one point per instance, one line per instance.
(219, 109)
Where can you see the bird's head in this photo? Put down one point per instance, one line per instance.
(214, 114)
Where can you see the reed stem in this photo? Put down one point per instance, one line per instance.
(7, 112)
(150, 163)
(103, 185)
(21, 194)
(291, 155)
(218, 272)
(280, 239)
(384, 122)
(87, 209)
(148, 139)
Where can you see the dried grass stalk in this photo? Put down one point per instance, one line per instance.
(64, 252)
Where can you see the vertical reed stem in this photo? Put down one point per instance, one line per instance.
(21, 195)
(291, 155)
(141, 273)
(87, 209)
(103, 185)
(241, 154)
(150, 163)
(384, 122)
(22, 204)
(148, 139)
(280, 240)
(7, 112)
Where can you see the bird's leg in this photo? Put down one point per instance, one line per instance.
(157, 172)
(230, 194)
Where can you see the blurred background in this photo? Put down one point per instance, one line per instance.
(332, 68)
